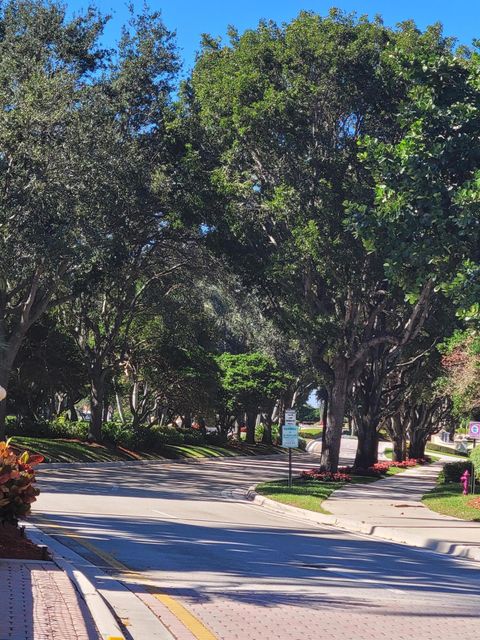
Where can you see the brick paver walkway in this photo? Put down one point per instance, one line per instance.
(38, 602)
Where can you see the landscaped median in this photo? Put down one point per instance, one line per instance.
(311, 488)
(72, 450)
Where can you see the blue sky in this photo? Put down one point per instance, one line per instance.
(190, 19)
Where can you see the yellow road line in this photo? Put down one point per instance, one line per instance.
(193, 624)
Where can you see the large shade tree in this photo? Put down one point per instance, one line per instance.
(282, 110)
(46, 64)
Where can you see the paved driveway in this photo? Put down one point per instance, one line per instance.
(251, 574)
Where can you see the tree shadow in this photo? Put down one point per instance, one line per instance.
(186, 554)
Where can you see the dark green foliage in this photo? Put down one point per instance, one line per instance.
(453, 471)
(475, 459)
(308, 413)
(59, 427)
(250, 380)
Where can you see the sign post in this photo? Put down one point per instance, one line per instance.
(474, 432)
(290, 438)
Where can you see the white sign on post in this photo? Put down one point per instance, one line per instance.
(290, 417)
(290, 436)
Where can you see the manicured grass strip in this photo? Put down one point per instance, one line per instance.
(305, 495)
(310, 494)
(449, 500)
(310, 433)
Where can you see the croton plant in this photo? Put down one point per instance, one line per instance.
(17, 479)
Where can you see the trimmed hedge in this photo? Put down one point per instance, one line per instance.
(453, 471)
(475, 458)
(114, 433)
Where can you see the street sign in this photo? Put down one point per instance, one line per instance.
(474, 430)
(290, 436)
(290, 417)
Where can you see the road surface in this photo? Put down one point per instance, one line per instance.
(250, 574)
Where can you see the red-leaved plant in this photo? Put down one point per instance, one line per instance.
(325, 476)
(17, 478)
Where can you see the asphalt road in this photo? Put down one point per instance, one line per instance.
(251, 574)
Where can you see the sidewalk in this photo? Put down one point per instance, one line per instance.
(391, 509)
(40, 603)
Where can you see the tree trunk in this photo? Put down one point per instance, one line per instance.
(6, 363)
(72, 409)
(324, 418)
(251, 419)
(397, 434)
(417, 448)
(367, 447)
(267, 428)
(418, 440)
(399, 447)
(106, 409)
(97, 396)
(118, 401)
(335, 417)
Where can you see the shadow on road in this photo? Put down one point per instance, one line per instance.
(274, 559)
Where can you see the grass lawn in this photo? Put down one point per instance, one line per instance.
(449, 500)
(310, 433)
(63, 450)
(389, 454)
(438, 454)
(309, 495)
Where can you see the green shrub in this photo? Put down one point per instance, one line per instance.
(216, 439)
(116, 433)
(475, 458)
(302, 443)
(453, 471)
(59, 427)
(311, 433)
(275, 428)
(141, 438)
(159, 436)
(193, 436)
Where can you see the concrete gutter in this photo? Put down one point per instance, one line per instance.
(103, 618)
(391, 534)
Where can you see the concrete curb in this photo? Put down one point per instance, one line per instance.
(357, 526)
(103, 618)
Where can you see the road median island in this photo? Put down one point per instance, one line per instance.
(67, 451)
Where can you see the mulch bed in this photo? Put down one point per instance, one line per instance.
(475, 503)
(14, 546)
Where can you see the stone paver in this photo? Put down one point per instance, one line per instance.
(38, 602)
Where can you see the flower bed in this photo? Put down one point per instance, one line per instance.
(325, 476)
(380, 469)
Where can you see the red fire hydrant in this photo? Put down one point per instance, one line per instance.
(465, 481)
